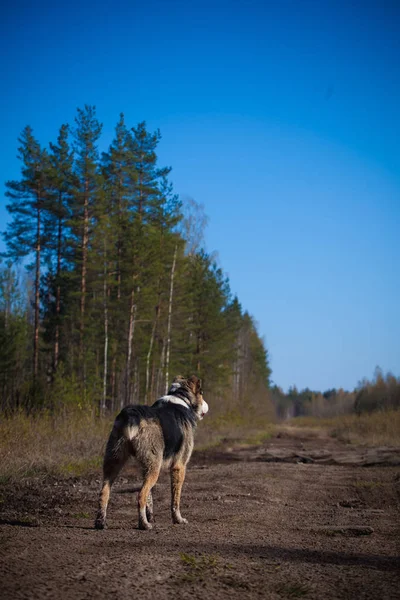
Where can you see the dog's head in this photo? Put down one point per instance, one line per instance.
(193, 392)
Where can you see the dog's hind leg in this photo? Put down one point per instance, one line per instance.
(151, 475)
(149, 508)
(115, 457)
(177, 478)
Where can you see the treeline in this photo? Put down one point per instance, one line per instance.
(119, 296)
(381, 393)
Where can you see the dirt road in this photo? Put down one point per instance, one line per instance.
(282, 520)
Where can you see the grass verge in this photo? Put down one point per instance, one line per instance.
(381, 428)
(73, 445)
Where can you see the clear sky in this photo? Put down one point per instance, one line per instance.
(281, 117)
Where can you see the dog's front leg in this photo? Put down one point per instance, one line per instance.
(177, 479)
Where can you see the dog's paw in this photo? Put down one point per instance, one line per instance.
(100, 524)
(150, 516)
(180, 521)
(144, 526)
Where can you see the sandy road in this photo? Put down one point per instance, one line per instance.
(294, 527)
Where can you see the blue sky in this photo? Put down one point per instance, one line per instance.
(282, 118)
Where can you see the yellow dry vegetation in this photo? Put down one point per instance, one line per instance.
(380, 428)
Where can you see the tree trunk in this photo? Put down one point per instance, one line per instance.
(113, 375)
(153, 333)
(161, 370)
(58, 291)
(136, 385)
(105, 306)
(85, 239)
(37, 296)
(199, 346)
(132, 314)
(171, 295)
(140, 207)
(119, 248)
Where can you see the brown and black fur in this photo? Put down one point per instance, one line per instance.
(157, 435)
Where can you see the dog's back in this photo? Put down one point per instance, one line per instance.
(158, 432)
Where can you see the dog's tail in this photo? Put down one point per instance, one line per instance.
(130, 431)
(121, 437)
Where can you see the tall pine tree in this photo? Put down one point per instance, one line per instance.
(88, 183)
(61, 181)
(24, 235)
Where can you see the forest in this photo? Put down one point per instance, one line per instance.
(106, 291)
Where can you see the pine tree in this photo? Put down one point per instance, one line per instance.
(61, 181)
(24, 235)
(120, 177)
(164, 218)
(199, 325)
(234, 321)
(88, 184)
(147, 193)
(119, 170)
(102, 286)
(144, 205)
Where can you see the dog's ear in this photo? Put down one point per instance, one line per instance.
(178, 379)
(194, 384)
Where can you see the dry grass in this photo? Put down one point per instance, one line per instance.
(233, 427)
(69, 445)
(73, 444)
(380, 428)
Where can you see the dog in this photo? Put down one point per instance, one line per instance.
(156, 436)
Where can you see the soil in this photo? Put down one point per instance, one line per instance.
(298, 516)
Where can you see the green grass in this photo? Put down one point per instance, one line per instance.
(202, 563)
(369, 484)
(196, 568)
(81, 515)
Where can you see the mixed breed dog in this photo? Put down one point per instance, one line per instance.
(156, 436)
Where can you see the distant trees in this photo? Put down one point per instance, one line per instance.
(382, 393)
(296, 403)
(120, 296)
